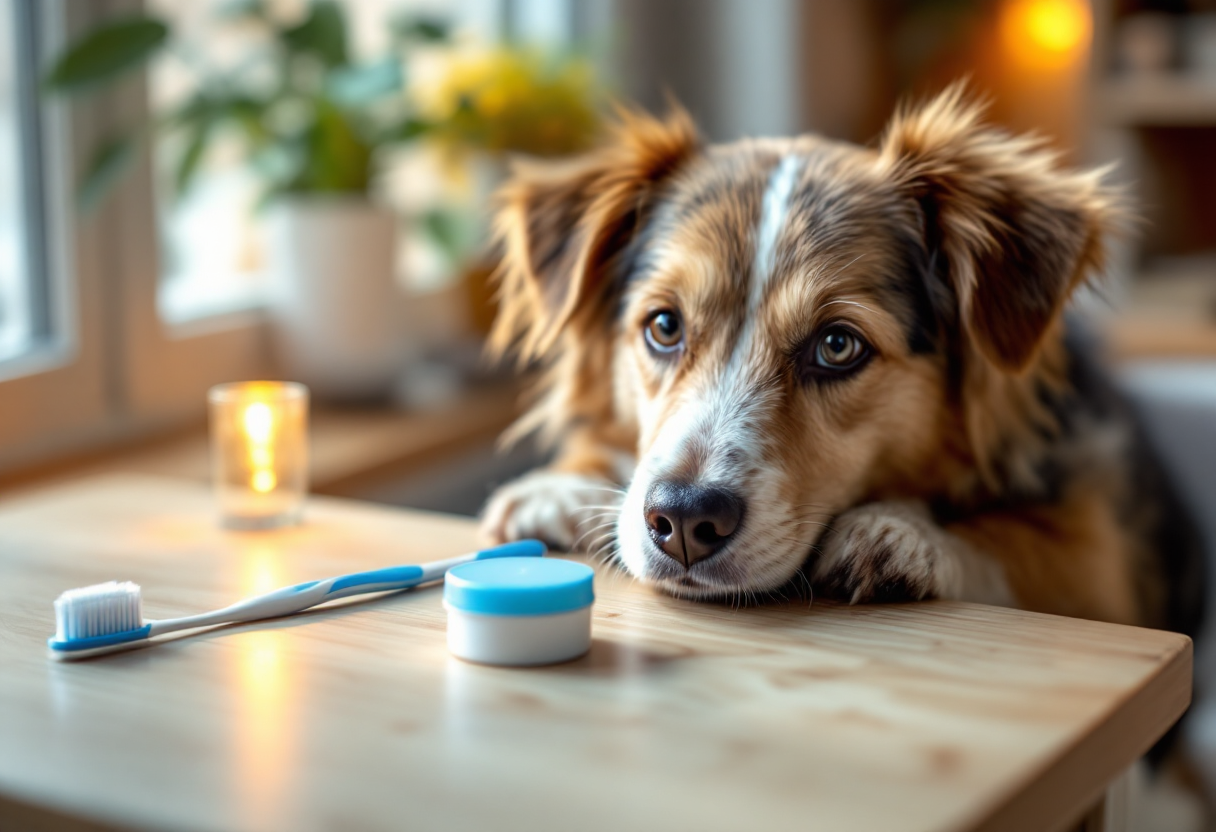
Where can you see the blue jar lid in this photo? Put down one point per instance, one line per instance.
(519, 586)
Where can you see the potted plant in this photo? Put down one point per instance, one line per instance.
(311, 122)
(315, 125)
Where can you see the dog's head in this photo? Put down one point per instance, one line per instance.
(790, 327)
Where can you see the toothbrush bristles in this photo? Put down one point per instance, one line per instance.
(98, 610)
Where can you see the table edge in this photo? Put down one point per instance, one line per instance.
(1080, 773)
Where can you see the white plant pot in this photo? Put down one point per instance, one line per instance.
(340, 318)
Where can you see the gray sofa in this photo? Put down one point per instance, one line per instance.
(1178, 403)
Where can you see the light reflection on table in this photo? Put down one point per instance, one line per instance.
(264, 731)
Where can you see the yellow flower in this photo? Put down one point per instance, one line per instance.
(509, 100)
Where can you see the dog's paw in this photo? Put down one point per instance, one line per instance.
(890, 551)
(564, 510)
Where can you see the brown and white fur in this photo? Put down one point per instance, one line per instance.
(972, 452)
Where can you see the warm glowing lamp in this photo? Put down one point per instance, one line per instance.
(259, 452)
(1046, 34)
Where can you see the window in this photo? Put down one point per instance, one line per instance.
(22, 305)
(115, 321)
(86, 357)
(52, 387)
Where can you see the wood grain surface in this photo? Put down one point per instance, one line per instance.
(938, 716)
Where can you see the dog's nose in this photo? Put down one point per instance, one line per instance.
(688, 522)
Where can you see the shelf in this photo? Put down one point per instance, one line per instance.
(1165, 101)
(1169, 311)
(1134, 337)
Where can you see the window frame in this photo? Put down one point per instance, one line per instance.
(110, 369)
(56, 391)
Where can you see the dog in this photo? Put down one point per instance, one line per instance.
(787, 361)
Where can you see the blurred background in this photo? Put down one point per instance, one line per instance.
(205, 191)
(217, 190)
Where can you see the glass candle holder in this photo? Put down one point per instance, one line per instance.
(259, 452)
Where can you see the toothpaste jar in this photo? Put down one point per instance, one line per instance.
(519, 611)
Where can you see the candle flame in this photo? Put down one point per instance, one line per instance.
(259, 431)
(263, 481)
(259, 423)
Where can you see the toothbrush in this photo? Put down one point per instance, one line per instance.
(107, 617)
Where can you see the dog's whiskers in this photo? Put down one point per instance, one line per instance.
(594, 529)
(606, 554)
(595, 544)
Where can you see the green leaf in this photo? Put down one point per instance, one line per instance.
(250, 114)
(106, 53)
(408, 130)
(323, 33)
(447, 230)
(196, 146)
(198, 106)
(334, 156)
(423, 29)
(108, 165)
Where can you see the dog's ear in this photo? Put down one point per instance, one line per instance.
(1018, 232)
(560, 223)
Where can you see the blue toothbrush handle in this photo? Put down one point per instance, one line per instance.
(403, 577)
(391, 577)
(303, 596)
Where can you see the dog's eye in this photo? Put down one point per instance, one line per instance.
(664, 331)
(840, 349)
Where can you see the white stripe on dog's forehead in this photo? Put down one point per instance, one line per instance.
(775, 211)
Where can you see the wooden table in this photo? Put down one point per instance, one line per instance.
(684, 716)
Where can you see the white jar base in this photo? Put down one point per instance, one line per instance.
(519, 640)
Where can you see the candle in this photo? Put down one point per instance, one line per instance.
(259, 452)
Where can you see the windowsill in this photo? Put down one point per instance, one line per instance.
(39, 359)
(189, 304)
(351, 449)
